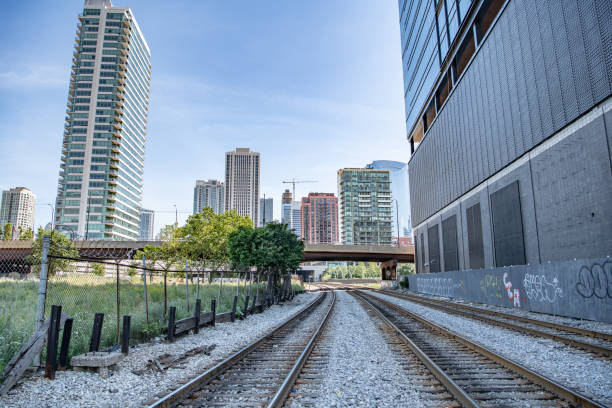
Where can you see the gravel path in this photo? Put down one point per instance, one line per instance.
(361, 370)
(573, 368)
(126, 389)
(569, 321)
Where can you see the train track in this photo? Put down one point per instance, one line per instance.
(474, 375)
(595, 342)
(262, 373)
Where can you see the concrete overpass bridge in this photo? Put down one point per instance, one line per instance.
(388, 256)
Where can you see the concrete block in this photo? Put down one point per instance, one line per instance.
(96, 359)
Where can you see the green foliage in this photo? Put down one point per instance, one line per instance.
(361, 270)
(405, 269)
(60, 245)
(204, 237)
(7, 231)
(404, 283)
(133, 269)
(27, 235)
(98, 269)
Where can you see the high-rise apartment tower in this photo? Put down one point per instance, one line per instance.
(242, 182)
(17, 208)
(365, 206)
(102, 163)
(209, 193)
(509, 119)
(319, 218)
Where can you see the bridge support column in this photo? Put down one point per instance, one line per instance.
(388, 270)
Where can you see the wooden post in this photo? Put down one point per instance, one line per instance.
(144, 279)
(125, 336)
(213, 309)
(94, 343)
(165, 293)
(198, 307)
(118, 307)
(246, 306)
(171, 323)
(233, 316)
(65, 344)
(52, 339)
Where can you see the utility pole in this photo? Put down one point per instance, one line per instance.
(264, 212)
(397, 220)
(175, 215)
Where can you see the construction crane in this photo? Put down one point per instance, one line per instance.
(294, 182)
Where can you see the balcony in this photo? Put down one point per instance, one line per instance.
(112, 182)
(117, 125)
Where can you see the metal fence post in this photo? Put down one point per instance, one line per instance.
(42, 289)
(118, 308)
(187, 284)
(144, 279)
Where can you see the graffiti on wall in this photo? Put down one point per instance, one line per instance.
(437, 286)
(595, 281)
(491, 286)
(539, 289)
(513, 294)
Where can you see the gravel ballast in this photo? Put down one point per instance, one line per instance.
(127, 389)
(576, 369)
(361, 370)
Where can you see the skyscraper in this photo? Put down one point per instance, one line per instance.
(319, 218)
(286, 208)
(508, 112)
(101, 172)
(365, 206)
(209, 193)
(266, 211)
(147, 224)
(242, 182)
(17, 207)
(296, 217)
(398, 173)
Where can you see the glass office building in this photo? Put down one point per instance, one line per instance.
(365, 206)
(102, 162)
(509, 118)
(398, 173)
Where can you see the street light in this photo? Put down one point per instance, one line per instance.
(52, 215)
(175, 215)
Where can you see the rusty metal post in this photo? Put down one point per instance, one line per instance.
(94, 342)
(125, 336)
(246, 306)
(165, 293)
(144, 280)
(52, 339)
(213, 309)
(198, 307)
(42, 288)
(118, 307)
(187, 284)
(171, 327)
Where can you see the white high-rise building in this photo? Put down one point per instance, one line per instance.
(102, 163)
(296, 217)
(17, 207)
(209, 193)
(147, 224)
(242, 182)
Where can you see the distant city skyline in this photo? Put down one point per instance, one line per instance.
(245, 93)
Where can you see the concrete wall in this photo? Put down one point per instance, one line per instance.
(581, 289)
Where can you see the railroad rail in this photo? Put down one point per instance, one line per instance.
(588, 340)
(262, 373)
(473, 374)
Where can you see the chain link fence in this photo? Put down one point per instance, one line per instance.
(86, 281)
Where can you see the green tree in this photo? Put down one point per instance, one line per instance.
(98, 269)
(60, 246)
(7, 231)
(27, 235)
(405, 269)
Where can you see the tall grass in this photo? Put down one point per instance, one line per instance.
(81, 295)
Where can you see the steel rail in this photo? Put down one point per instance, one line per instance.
(452, 387)
(547, 383)
(283, 391)
(473, 312)
(182, 392)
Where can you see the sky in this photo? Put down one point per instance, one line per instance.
(314, 86)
